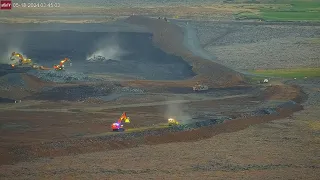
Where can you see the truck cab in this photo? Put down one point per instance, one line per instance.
(117, 127)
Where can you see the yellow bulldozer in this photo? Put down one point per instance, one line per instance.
(172, 122)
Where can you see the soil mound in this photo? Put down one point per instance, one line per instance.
(169, 37)
(128, 53)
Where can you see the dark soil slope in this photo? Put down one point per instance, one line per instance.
(169, 37)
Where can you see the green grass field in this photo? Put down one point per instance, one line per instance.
(285, 10)
(289, 73)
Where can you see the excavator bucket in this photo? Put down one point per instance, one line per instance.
(127, 120)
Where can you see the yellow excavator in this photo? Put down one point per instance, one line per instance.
(22, 60)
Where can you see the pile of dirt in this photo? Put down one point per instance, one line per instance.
(287, 105)
(283, 92)
(169, 37)
(172, 62)
(7, 100)
(13, 86)
(71, 93)
(7, 69)
(22, 85)
(129, 53)
(12, 79)
(62, 76)
(264, 111)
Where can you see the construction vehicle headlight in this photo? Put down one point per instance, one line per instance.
(171, 120)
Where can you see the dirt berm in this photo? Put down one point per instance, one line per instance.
(169, 37)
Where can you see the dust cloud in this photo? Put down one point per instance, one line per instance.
(178, 111)
(5, 56)
(11, 43)
(108, 48)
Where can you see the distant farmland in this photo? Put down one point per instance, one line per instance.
(285, 10)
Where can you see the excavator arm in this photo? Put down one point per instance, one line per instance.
(124, 118)
(23, 61)
(63, 61)
(117, 126)
(60, 66)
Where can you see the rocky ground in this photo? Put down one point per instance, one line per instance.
(285, 148)
(261, 45)
(68, 140)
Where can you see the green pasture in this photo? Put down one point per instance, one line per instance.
(289, 73)
(284, 10)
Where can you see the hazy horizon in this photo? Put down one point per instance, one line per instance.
(123, 3)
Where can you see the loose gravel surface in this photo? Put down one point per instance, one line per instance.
(311, 87)
(261, 45)
(285, 149)
(62, 77)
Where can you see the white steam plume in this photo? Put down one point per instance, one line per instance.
(108, 48)
(5, 56)
(178, 111)
(12, 43)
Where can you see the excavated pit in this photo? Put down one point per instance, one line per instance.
(129, 53)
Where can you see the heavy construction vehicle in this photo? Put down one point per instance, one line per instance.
(200, 87)
(172, 122)
(28, 62)
(118, 126)
(22, 60)
(97, 59)
(60, 66)
(35, 66)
